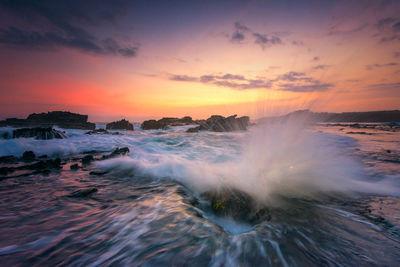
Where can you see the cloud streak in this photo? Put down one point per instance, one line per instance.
(290, 81)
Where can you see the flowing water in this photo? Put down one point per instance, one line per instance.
(333, 195)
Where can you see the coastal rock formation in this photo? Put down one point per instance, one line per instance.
(39, 133)
(62, 119)
(230, 202)
(165, 122)
(120, 125)
(217, 123)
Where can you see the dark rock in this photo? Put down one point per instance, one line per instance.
(120, 151)
(230, 202)
(193, 130)
(165, 122)
(41, 165)
(62, 119)
(86, 160)
(28, 156)
(38, 133)
(97, 173)
(6, 135)
(120, 125)
(43, 157)
(83, 192)
(102, 131)
(388, 151)
(219, 123)
(8, 159)
(74, 166)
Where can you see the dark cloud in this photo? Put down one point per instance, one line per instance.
(315, 59)
(374, 66)
(382, 23)
(263, 40)
(335, 31)
(321, 67)
(183, 78)
(396, 54)
(56, 24)
(291, 81)
(318, 87)
(388, 29)
(297, 43)
(241, 32)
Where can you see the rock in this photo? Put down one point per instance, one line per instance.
(117, 152)
(102, 131)
(165, 122)
(38, 133)
(97, 173)
(86, 160)
(28, 156)
(152, 125)
(42, 157)
(193, 130)
(8, 159)
(6, 135)
(219, 123)
(230, 202)
(120, 125)
(62, 119)
(74, 166)
(83, 192)
(120, 151)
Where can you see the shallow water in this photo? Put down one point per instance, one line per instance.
(333, 198)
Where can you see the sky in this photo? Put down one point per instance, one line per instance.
(152, 59)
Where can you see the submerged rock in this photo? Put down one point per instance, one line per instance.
(86, 160)
(230, 202)
(28, 156)
(38, 133)
(120, 125)
(120, 152)
(83, 192)
(74, 166)
(8, 159)
(101, 131)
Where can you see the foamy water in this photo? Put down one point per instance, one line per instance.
(327, 192)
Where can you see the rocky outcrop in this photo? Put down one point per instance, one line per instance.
(38, 133)
(230, 202)
(62, 119)
(120, 125)
(165, 122)
(217, 123)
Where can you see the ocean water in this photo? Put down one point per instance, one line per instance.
(333, 194)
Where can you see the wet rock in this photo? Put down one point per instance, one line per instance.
(388, 151)
(193, 130)
(62, 119)
(120, 125)
(6, 135)
(38, 133)
(230, 202)
(120, 152)
(28, 156)
(165, 122)
(102, 131)
(83, 192)
(8, 159)
(44, 164)
(74, 166)
(42, 157)
(219, 123)
(86, 160)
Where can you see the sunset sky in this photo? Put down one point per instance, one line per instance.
(150, 59)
